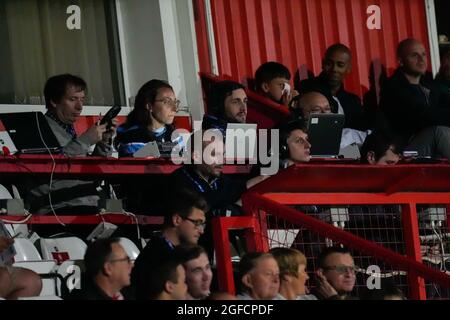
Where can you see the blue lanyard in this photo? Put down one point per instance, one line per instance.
(170, 244)
(199, 186)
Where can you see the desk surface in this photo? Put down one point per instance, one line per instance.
(43, 164)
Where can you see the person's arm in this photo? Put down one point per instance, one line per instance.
(5, 243)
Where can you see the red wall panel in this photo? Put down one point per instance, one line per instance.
(297, 32)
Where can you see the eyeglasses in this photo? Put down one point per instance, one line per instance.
(127, 259)
(170, 102)
(342, 269)
(197, 223)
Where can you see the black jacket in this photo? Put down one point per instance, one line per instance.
(407, 111)
(355, 115)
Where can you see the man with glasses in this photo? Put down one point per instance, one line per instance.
(335, 274)
(108, 270)
(183, 224)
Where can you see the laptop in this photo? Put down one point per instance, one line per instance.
(240, 142)
(28, 132)
(325, 133)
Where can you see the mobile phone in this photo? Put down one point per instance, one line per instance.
(110, 115)
(287, 88)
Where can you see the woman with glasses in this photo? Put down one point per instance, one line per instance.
(151, 120)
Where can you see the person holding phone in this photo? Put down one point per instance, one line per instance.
(64, 98)
(151, 120)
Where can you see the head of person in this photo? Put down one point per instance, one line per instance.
(186, 215)
(198, 269)
(155, 105)
(292, 265)
(260, 275)
(229, 101)
(166, 281)
(337, 266)
(444, 70)
(337, 64)
(271, 79)
(207, 149)
(386, 292)
(382, 149)
(412, 57)
(106, 260)
(64, 96)
(294, 144)
(312, 103)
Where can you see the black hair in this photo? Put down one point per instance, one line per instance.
(157, 276)
(338, 47)
(188, 252)
(285, 131)
(327, 252)
(388, 289)
(146, 95)
(220, 92)
(56, 87)
(97, 254)
(182, 202)
(269, 71)
(403, 45)
(379, 143)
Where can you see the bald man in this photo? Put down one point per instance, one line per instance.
(336, 66)
(415, 110)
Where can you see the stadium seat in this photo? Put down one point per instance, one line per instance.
(62, 249)
(130, 248)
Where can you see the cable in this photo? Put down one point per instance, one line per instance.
(19, 221)
(51, 174)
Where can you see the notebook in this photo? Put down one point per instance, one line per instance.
(324, 133)
(28, 132)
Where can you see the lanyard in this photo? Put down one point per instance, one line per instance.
(198, 185)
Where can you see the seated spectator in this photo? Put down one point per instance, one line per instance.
(387, 292)
(293, 275)
(336, 65)
(416, 110)
(442, 79)
(335, 274)
(228, 105)
(108, 270)
(64, 98)
(272, 81)
(294, 144)
(184, 223)
(151, 119)
(381, 149)
(16, 282)
(167, 281)
(259, 275)
(198, 270)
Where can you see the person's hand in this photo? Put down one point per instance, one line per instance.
(287, 97)
(108, 134)
(95, 133)
(5, 243)
(324, 288)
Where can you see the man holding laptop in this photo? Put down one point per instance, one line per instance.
(64, 97)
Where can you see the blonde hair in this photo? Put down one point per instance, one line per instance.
(288, 260)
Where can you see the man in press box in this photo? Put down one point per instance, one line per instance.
(64, 98)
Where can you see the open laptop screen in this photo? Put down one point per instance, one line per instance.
(325, 132)
(29, 131)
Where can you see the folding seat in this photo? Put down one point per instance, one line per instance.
(130, 248)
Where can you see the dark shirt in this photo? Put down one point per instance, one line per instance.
(89, 291)
(355, 115)
(157, 250)
(220, 193)
(410, 108)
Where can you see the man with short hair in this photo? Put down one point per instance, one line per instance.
(167, 281)
(272, 81)
(294, 144)
(416, 110)
(184, 223)
(64, 98)
(379, 148)
(335, 273)
(108, 269)
(336, 65)
(198, 270)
